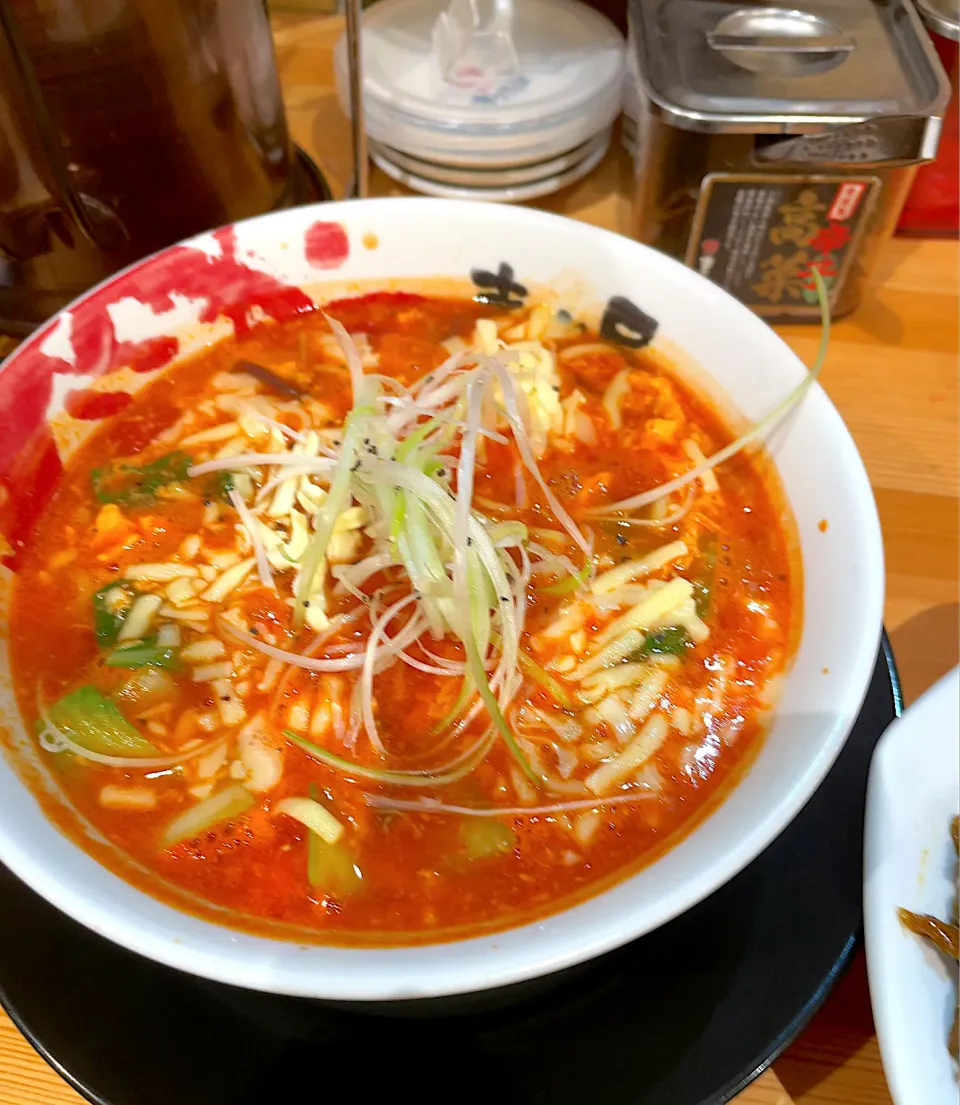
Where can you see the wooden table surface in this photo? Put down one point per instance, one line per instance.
(892, 372)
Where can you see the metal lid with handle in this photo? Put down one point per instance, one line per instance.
(716, 65)
(779, 41)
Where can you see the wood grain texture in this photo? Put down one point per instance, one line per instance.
(892, 372)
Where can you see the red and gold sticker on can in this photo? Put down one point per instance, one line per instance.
(760, 237)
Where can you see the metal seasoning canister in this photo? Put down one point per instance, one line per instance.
(932, 206)
(772, 139)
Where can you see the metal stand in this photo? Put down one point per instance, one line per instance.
(359, 186)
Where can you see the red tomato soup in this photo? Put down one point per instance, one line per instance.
(367, 628)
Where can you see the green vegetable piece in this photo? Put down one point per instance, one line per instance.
(415, 439)
(68, 764)
(672, 640)
(397, 520)
(128, 485)
(531, 668)
(221, 484)
(540, 675)
(484, 838)
(381, 775)
(568, 585)
(110, 606)
(706, 573)
(330, 867)
(93, 721)
(147, 688)
(138, 654)
(463, 697)
(222, 806)
(479, 676)
(325, 519)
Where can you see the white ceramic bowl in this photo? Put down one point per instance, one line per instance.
(332, 250)
(909, 862)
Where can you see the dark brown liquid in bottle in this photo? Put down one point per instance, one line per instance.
(126, 125)
(614, 10)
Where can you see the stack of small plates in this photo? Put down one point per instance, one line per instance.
(478, 134)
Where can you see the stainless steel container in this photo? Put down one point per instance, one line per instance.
(772, 140)
(942, 17)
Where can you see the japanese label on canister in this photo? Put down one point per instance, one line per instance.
(759, 236)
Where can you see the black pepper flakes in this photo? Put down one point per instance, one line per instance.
(621, 540)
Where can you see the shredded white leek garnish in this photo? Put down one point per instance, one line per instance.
(380, 514)
(404, 463)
